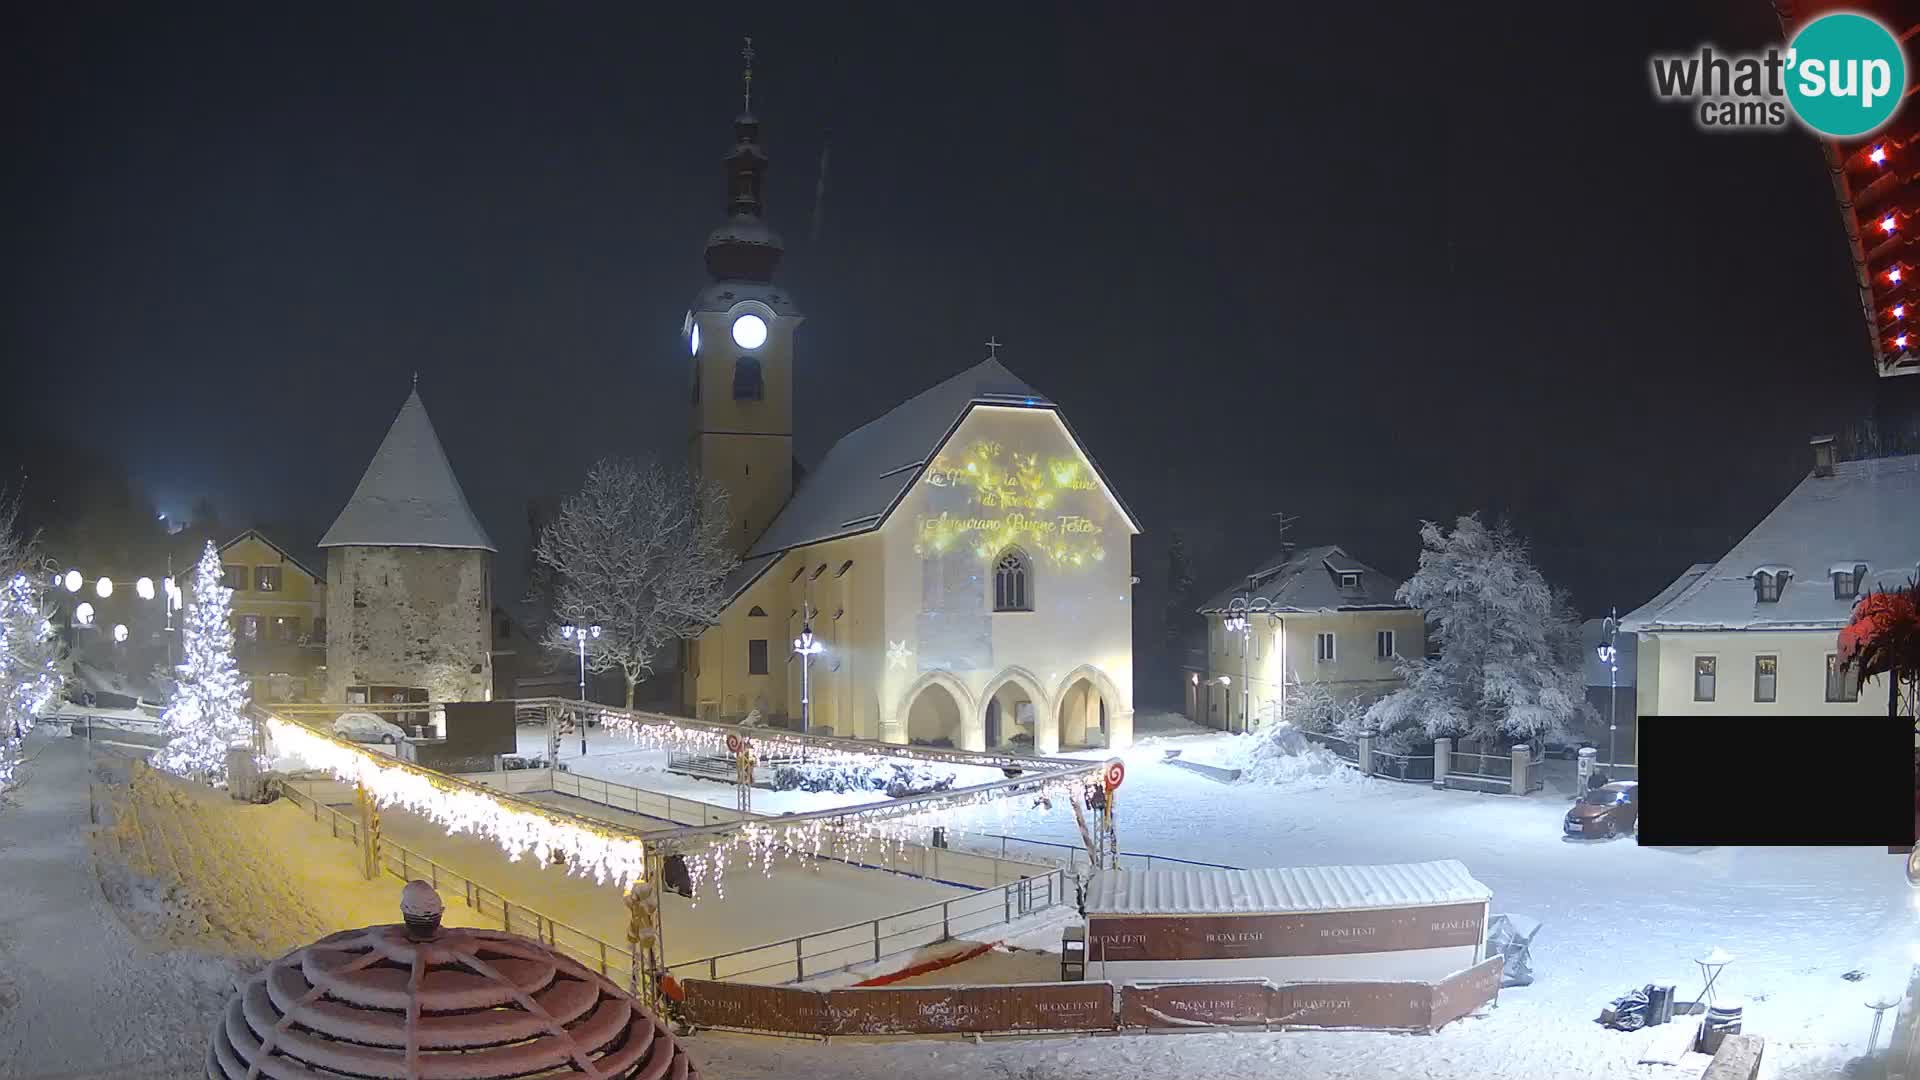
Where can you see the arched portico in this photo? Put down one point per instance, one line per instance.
(1090, 711)
(937, 707)
(1001, 712)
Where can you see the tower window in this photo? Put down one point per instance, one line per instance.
(1013, 581)
(747, 384)
(758, 612)
(757, 656)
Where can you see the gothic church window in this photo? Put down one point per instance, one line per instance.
(1013, 581)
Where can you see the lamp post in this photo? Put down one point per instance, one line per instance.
(1237, 623)
(580, 634)
(806, 648)
(1611, 657)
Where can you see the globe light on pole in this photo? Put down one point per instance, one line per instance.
(580, 635)
(806, 647)
(83, 614)
(74, 581)
(119, 633)
(103, 588)
(144, 587)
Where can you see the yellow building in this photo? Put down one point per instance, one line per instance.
(279, 618)
(961, 562)
(1758, 632)
(1313, 616)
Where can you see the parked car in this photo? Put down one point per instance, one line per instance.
(1606, 811)
(368, 728)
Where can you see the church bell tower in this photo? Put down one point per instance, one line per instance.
(740, 334)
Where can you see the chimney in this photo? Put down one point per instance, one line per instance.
(1822, 455)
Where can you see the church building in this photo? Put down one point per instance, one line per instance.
(960, 564)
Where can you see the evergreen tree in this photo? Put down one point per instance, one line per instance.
(1510, 655)
(30, 676)
(207, 714)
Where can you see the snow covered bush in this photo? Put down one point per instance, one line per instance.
(1510, 655)
(206, 715)
(1313, 706)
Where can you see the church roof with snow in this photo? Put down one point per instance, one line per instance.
(1310, 579)
(866, 474)
(1866, 514)
(409, 496)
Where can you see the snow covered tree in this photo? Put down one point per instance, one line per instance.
(641, 552)
(31, 678)
(206, 715)
(1510, 662)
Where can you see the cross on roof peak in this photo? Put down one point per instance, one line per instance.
(993, 347)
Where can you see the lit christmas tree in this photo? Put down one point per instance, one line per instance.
(207, 715)
(30, 677)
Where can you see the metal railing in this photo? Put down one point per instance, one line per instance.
(613, 961)
(949, 866)
(1417, 768)
(1481, 766)
(1076, 855)
(1345, 748)
(824, 952)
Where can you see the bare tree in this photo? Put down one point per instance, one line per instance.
(640, 551)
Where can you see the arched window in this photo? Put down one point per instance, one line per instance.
(758, 612)
(1013, 581)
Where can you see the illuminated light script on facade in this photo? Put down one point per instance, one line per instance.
(1017, 499)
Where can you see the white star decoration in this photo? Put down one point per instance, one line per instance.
(897, 654)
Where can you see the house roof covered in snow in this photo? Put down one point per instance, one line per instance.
(1309, 579)
(866, 474)
(1293, 889)
(409, 496)
(1867, 512)
(304, 562)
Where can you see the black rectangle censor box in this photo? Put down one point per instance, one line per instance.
(1776, 781)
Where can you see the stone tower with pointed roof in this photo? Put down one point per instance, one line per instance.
(409, 578)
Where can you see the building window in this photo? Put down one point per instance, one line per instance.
(821, 569)
(757, 612)
(1383, 644)
(266, 579)
(247, 627)
(234, 577)
(286, 628)
(1323, 647)
(757, 656)
(319, 631)
(747, 384)
(1846, 583)
(1842, 685)
(1766, 678)
(1013, 582)
(1350, 582)
(1767, 586)
(844, 567)
(1704, 669)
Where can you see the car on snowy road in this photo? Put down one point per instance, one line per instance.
(1606, 811)
(367, 728)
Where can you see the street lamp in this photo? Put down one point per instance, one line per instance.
(1236, 623)
(806, 648)
(580, 634)
(1611, 657)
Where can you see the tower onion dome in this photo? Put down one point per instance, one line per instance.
(745, 249)
(418, 1001)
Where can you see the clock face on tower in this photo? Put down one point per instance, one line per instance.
(693, 340)
(749, 331)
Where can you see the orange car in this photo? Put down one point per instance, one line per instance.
(1606, 811)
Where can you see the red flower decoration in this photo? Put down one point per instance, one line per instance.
(1884, 634)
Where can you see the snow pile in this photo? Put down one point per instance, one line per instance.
(1280, 754)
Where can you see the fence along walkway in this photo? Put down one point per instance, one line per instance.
(1021, 888)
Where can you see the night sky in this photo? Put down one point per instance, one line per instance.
(1349, 262)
